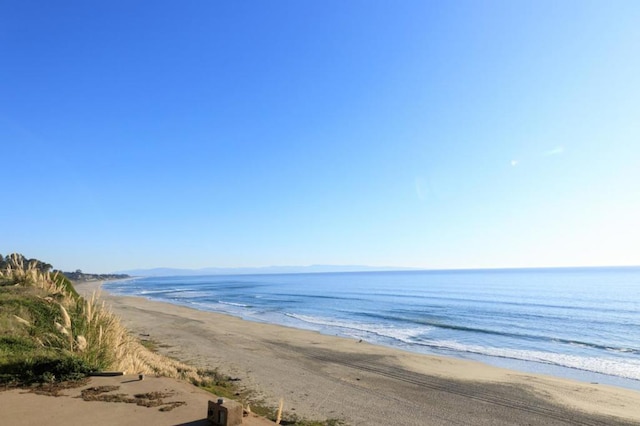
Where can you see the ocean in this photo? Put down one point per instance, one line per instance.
(578, 323)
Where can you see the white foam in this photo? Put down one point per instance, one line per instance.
(146, 292)
(626, 368)
(192, 294)
(406, 335)
(240, 305)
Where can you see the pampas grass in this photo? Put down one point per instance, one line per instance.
(109, 345)
(61, 329)
(279, 414)
(65, 317)
(100, 338)
(18, 274)
(81, 343)
(22, 321)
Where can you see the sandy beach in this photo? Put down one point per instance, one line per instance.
(322, 377)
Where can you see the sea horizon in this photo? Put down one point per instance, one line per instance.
(255, 270)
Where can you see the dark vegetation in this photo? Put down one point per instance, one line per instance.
(79, 276)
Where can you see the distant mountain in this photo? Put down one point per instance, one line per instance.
(167, 272)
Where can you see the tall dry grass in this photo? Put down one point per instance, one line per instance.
(87, 328)
(18, 274)
(108, 342)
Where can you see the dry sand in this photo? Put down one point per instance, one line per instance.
(323, 377)
(22, 408)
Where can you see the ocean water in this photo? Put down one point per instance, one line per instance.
(580, 323)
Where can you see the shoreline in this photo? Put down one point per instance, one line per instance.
(321, 376)
(527, 366)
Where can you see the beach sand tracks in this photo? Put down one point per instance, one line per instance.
(509, 396)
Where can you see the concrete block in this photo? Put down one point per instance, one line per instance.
(224, 413)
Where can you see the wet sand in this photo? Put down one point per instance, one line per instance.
(322, 377)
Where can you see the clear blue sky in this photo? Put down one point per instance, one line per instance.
(431, 134)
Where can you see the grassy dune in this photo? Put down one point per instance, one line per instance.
(48, 333)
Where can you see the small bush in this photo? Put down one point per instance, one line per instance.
(62, 369)
(44, 370)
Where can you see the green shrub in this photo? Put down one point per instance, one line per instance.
(62, 369)
(43, 370)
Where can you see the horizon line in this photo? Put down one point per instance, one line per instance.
(368, 269)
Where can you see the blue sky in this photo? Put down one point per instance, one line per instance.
(426, 134)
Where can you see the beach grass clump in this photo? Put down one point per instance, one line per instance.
(49, 333)
(222, 386)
